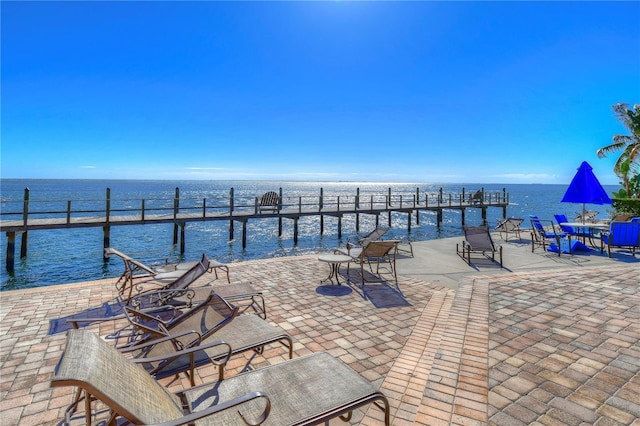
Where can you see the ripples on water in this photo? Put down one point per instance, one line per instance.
(72, 255)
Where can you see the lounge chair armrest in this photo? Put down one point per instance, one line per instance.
(162, 296)
(189, 351)
(135, 346)
(190, 418)
(147, 314)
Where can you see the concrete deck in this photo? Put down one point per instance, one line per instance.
(546, 340)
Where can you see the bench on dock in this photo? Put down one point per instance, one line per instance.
(269, 202)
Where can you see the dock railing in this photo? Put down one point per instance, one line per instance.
(21, 214)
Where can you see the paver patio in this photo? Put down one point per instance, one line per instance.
(558, 346)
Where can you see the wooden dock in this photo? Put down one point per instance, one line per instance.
(180, 211)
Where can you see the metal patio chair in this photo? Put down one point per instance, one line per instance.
(213, 318)
(544, 234)
(509, 225)
(477, 239)
(304, 391)
(382, 255)
(622, 234)
(355, 244)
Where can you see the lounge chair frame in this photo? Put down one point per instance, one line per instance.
(244, 296)
(509, 225)
(135, 270)
(478, 240)
(214, 318)
(304, 391)
(355, 244)
(178, 278)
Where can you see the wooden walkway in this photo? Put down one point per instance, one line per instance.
(241, 211)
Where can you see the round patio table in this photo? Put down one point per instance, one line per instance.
(334, 261)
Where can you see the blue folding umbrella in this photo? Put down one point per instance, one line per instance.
(585, 189)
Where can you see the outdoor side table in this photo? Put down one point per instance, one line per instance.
(334, 261)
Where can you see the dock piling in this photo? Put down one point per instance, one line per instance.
(176, 207)
(24, 244)
(11, 252)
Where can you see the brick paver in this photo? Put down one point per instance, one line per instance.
(558, 347)
(565, 347)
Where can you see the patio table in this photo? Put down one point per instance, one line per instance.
(588, 226)
(334, 261)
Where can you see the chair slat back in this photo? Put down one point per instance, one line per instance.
(269, 199)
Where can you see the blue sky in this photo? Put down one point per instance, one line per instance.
(450, 92)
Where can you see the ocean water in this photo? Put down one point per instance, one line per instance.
(72, 255)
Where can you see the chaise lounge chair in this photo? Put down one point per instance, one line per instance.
(586, 216)
(135, 270)
(477, 239)
(509, 225)
(149, 296)
(355, 245)
(166, 287)
(622, 234)
(304, 391)
(212, 319)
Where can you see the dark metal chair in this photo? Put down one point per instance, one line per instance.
(477, 239)
(307, 390)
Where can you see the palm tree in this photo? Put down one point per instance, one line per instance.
(629, 160)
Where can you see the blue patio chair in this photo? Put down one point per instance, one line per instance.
(575, 232)
(622, 234)
(544, 233)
